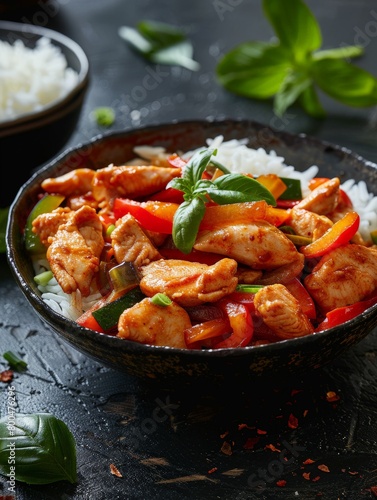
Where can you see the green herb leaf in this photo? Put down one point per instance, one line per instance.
(196, 165)
(160, 43)
(295, 26)
(3, 226)
(339, 53)
(104, 116)
(161, 299)
(44, 449)
(254, 69)
(249, 288)
(186, 223)
(293, 86)
(345, 82)
(238, 188)
(292, 68)
(14, 361)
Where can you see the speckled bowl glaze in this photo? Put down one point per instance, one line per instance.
(27, 141)
(169, 365)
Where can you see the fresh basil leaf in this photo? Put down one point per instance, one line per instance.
(45, 449)
(293, 86)
(186, 223)
(218, 165)
(339, 53)
(254, 69)
(345, 82)
(179, 54)
(310, 103)
(202, 187)
(181, 184)
(4, 212)
(136, 40)
(295, 26)
(160, 34)
(196, 165)
(243, 189)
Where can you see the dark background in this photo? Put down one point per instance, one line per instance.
(191, 443)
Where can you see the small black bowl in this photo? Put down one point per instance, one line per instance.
(170, 366)
(27, 141)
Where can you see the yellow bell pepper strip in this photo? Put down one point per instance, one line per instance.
(242, 213)
(45, 205)
(340, 315)
(273, 183)
(339, 234)
(241, 322)
(151, 215)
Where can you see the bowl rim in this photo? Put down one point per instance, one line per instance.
(103, 338)
(15, 125)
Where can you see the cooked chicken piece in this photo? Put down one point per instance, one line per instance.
(78, 201)
(130, 181)
(74, 250)
(46, 225)
(308, 224)
(131, 244)
(152, 324)
(345, 275)
(189, 283)
(77, 182)
(323, 199)
(283, 274)
(282, 312)
(258, 244)
(248, 276)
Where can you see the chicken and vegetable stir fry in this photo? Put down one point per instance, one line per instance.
(187, 254)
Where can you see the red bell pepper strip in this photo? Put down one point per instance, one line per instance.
(339, 234)
(297, 289)
(340, 315)
(170, 195)
(285, 204)
(241, 323)
(344, 199)
(152, 215)
(176, 161)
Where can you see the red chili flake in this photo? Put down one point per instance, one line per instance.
(6, 376)
(353, 472)
(373, 490)
(211, 471)
(261, 432)
(223, 435)
(306, 475)
(292, 421)
(250, 443)
(226, 448)
(308, 461)
(244, 426)
(332, 396)
(306, 412)
(281, 483)
(323, 468)
(295, 391)
(315, 479)
(114, 471)
(272, 447)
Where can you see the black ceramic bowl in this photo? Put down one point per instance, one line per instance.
(170, 365)
(27, 141)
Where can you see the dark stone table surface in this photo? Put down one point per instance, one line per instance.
(237, 443)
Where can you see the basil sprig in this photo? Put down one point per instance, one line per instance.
(293, 68)
(229, 188)
(37, 449)
(160, 43)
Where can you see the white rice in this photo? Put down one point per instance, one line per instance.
(31, 79)
(236, 157)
